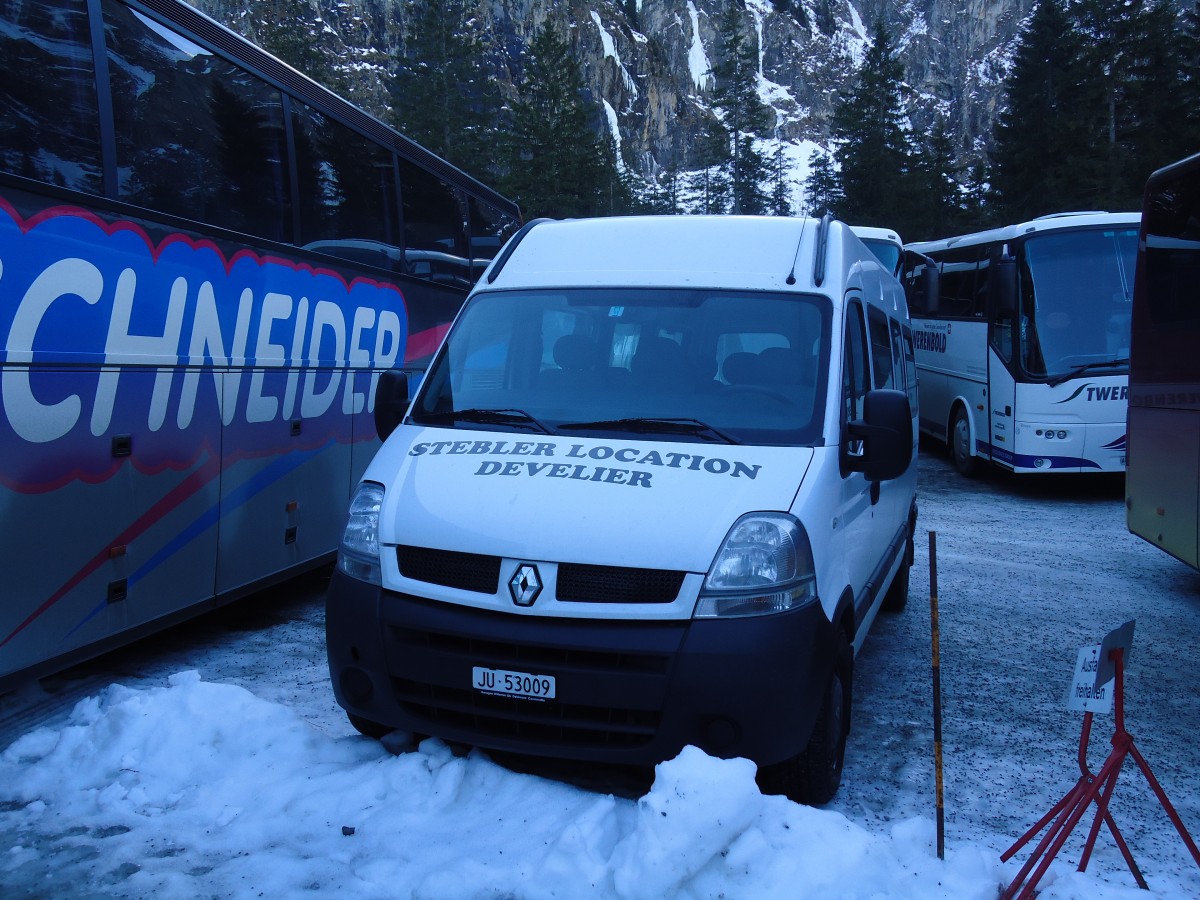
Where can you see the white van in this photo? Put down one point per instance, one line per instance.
(652, 491)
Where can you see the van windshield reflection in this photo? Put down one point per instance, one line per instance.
(669, 364)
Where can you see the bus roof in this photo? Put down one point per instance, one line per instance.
(1056, 222)
(867, 232)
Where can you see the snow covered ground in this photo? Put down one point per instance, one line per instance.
(213, 761)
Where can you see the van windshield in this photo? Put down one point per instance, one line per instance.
(661, 364)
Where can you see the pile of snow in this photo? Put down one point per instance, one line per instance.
(196, 787)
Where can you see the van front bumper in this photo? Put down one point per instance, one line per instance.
(626, 692)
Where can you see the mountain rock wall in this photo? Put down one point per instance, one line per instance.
(646, 62)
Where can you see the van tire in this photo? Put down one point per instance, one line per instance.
(896, 597)
(960, 444)
(368, 728)
(812, 776)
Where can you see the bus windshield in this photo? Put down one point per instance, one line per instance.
(700, 365)
(1076, 302)
(887, 252)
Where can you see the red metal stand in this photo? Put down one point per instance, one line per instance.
(1099, 788)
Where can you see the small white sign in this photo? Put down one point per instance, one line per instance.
(1085, 694)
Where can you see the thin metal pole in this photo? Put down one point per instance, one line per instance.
(937, 695)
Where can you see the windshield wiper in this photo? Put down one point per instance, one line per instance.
(516, 417)
(1086, 367)
(652, 425)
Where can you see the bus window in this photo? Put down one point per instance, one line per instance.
(958, 294)
(51, 40)
(347, 185)
(435, 215)
(1077, 295)
(490, 228)
(914, 280)
(222, 163)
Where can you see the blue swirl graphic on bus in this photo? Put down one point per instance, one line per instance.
(106, 333)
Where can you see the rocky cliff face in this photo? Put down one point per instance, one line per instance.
(645, 62)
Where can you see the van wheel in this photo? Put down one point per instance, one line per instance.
(896, 597)
(368, 728)
(960, 445)
(813, 776)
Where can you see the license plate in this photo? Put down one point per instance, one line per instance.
(512, 684)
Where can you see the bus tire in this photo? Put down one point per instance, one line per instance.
(960, 444)
(813, 775)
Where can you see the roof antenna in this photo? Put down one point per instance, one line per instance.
(791, 276)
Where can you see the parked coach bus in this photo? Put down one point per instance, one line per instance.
(884, 243)
(205, 261)
(1022, 342)
(1162, 491)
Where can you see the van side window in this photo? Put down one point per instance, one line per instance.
(856, 377)
(898, 371)
(910, 365)
(881, 348)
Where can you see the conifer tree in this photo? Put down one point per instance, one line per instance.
(873, 152)
(442, 96)
(555, 162)
(781, 185)
(744, 114)
(709, 183)
(288, 29)
(1189, 70)
(1044, 134)
(822, 188)
(935, 198)
(1097, 99)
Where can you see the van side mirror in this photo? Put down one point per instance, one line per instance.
(391, 401)
(886, 431)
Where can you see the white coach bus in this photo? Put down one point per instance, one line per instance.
(1022, 342)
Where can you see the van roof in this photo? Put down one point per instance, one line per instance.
(738, 252)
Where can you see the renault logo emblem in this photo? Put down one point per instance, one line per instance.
(525, 585)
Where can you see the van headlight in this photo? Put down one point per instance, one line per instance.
(358, 556)
(764, 566)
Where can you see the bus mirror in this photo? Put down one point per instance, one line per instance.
(1004, 283)
(886, 431)
(931, 285)
(391, 401)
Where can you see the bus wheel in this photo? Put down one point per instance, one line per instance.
(960, 445)
(813, 776)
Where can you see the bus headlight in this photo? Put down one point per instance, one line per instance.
(764, 566)
(358, 556)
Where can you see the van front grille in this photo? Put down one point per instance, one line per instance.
(615, 584)
(577, 583)
(450, 568)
